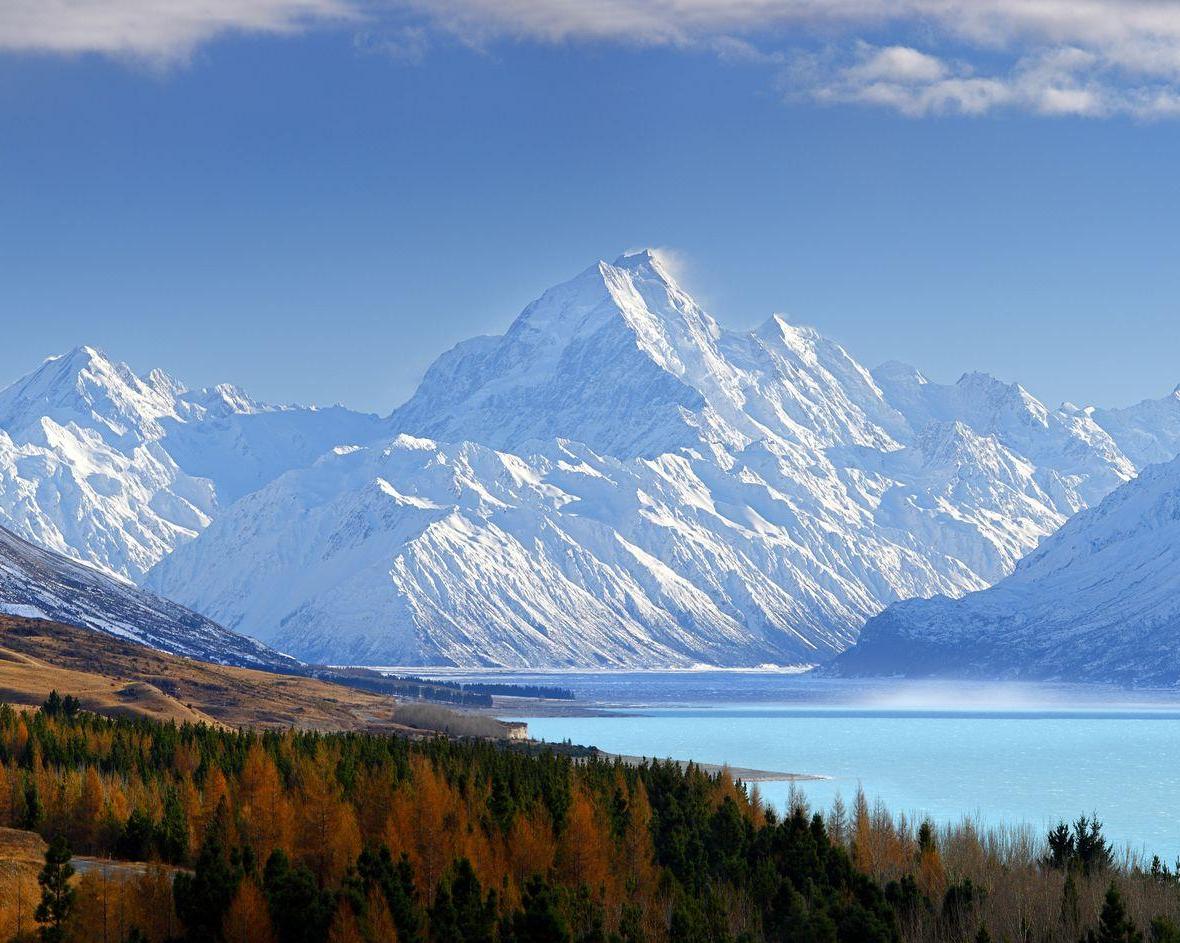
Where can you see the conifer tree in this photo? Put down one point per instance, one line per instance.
(926, 838)
(1070, 908)
(203, 897)
(539, 920)
(34, 811)
(460, 912)
(1164, 930)
(1094, 853)
(1114, 926)
(57, 896)
(53, 704)
(1061, 847)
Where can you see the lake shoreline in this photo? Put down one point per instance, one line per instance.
(742, 773)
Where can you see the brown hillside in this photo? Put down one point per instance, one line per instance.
(112, 676)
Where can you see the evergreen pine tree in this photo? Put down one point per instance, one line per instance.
(1094, 854)
(1164, 930)
(299, 908)
(377, 869)
(1114, 926)
(172, 833)
(34, 811)
(203, 897)
(57, 897)
(1061, 847)
(539, 921)
(1071, 915)
(926, 837)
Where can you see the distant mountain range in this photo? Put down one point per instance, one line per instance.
(617, 480)
(118, 470)
(1098, 601)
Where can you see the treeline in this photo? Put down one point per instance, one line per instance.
(299, 837)
(464, 694)
(515, 690)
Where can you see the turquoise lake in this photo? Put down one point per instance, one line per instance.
(1007, 753)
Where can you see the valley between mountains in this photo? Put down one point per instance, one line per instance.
(617, 481)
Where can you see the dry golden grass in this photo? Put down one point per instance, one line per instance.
(111, 676)
(21, 856)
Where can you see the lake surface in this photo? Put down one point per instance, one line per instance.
(1000, 753)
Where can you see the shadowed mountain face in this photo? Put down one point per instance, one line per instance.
(1099, 600)
(618, 480)
(39, 584)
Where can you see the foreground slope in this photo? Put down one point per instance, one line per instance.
(114, 676)
(619, 480)
(1099, 600)
(41, 584)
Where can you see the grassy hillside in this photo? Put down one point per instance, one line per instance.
(119, 678)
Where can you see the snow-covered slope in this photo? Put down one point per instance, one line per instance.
(1099, 600)
(1148, 432)
(118, 470)
(621, 359)
(40, 584)
(461, 554)
(617, 479)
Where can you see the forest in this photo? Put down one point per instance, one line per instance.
(300, 837)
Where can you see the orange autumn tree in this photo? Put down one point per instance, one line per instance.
(248, 918)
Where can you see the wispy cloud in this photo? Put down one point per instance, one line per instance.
(408, 45)
(1052, 57)
(919, 57)
(154, 30)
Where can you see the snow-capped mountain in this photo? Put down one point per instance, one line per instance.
(619, 480)
(118, 470)
(1098, 600)
(1148, 432)
(1077, 460)
(39, 584)
(622, 360)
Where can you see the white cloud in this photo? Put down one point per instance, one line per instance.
(1052, 57)
(157, 30)
(1137, 34)
(899, 64)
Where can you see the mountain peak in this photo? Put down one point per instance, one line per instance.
(779, 326)
(65, 368)
(649, 263)
(82, 354)
(637, 258)
(897, 371)
(84, 386)
(614, 357)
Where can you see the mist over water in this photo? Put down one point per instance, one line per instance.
(999, 753)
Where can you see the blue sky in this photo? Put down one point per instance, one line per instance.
(316, 202)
